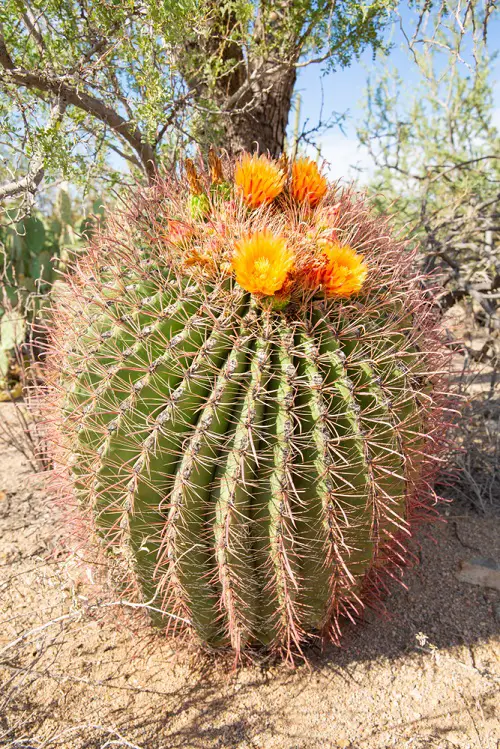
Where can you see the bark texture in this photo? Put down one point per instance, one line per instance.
(254, 83)
(262, 126)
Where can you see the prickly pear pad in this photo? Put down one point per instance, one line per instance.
(245, 390)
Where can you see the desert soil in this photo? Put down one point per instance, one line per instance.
(77, 675)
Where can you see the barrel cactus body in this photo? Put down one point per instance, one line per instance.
(245, 401)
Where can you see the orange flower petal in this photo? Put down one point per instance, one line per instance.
(308, 185)
(345, 271)
(261, 262)
(340, 270)
(258, 179)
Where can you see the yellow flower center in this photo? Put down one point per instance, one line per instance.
(262, 265)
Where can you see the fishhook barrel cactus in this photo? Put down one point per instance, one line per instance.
(244, 395)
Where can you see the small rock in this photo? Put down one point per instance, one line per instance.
(484, 572)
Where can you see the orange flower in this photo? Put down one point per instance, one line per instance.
(341, 271)
(261, 262)
(308, 184)
(258, 179)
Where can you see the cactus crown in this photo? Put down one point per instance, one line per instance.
(266, 229)
(245, 399)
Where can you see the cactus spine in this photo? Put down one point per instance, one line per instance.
(252, 458)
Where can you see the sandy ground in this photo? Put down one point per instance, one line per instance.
(77, 675)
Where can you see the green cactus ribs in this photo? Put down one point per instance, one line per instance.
(247, 464)
(243, 385)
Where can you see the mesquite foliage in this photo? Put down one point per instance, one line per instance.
(254, 466)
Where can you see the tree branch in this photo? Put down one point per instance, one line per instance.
(28, 183)
(70, 94)
(36, 171)
(31, 24)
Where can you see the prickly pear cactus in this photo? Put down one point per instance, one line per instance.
(246, 401)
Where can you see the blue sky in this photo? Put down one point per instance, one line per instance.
(344, 91)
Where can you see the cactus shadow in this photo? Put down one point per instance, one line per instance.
(434, 609)
(242, 708)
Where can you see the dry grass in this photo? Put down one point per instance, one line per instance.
(471, 476)
(476, 468)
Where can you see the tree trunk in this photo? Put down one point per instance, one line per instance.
(260, 116)
(254, 96)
